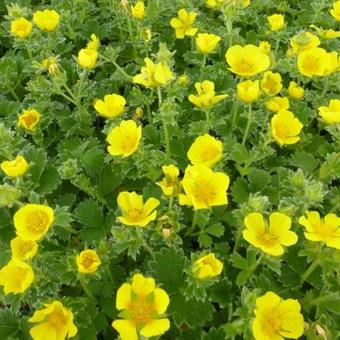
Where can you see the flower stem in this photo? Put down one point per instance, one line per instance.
(234, 115)
(165, 128)
(86, 289)
(246, 132)
(193, 224)
(207, 118)
(310, 269)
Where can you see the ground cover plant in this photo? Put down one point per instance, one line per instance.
(169, 169)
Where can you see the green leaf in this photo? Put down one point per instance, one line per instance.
(9, 324)
(204, 240)
(304, 160)
(37, 161)
(258, 180)
(167, 267)
(214, 334)
(238, 261)
(215, 230)
(239, 154)
(240, 190)
(7, 231)
(49, 180)
(190, 312)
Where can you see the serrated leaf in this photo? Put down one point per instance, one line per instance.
(240, 190)
(239, 154)
(167, 267)
(238, 261)
(258, 180)
(204, 240)
(37, 162)
(49, 180)
(304, 160)
(9, 324)
(214, 334)
(190, 312)
(215, 230)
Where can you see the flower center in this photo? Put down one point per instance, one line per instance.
(141, 311)
(25, 247)
(87, 261)
(57, 320)
(208, 153)
(272, 324)
(134, 214)
(30, 120)
(245, 66)
(204, 193)
(268, 240)
(37, 222)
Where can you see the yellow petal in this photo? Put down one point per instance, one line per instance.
(161, 300)
(155, 328)
(123, 298)
(126, 329)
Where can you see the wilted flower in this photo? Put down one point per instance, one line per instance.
(331, 113)
(135, 211)
(207, 43)
(16, 276)
(142, 307)
(88, 261)
(53, 319)
(206, 97)
(32, 221)
(21, 27)
(124, 139)
(276, 318)
(325, 229)
(46, 20)
(112, 106)
(269, 238)
(183, 24)
(207, 266)
(16, 167)
(205, 150)
(247, 61)
(285, 128)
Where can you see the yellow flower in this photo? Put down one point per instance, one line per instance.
(335, 11)
(295, 91)
(88, 261)
(50, 64)
(142, 307)
(16, 276)
(265, 47)
(205, 150)
(112, 106)
(207, 43)
(304, 41)
(313, 62)
(23, 250)
(21, 27)
(139, 112)
(207, 266)
(276, 318)
(247, 61)
(15, 168)
(330, 34)
(332, 64)
(183, 24)
(183, 80)
(220, 3)
(271, 83)
(134, 211)
(46, 20)
(276, 22)
(325, 229)
(204, 188)
(33, 221)
(146, 34)
(29, 119)
(138, 11)
(87, 58)
(331, 113)
(94, 43)
(124, 139)
(248, 91)
(170, 184)
(270, 239)
(206, 95)
(277, 104)
(153, 75)
(286, 128)
(53, 319)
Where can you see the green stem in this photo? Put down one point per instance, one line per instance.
(148, 248)
(246, 132)
(207, 118)
(171, 200)
(237, 240)
(310, 269)
(165, 128)
(193, 224)
(234, 115)
(132, 38)
(113, 62)
(86, 289)
(149, 113)
(15, 96)
(204, 61)
(258, 261)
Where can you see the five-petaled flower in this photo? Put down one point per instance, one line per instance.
(276, 22)
(124, 139)
(204, 188)
(33, 221)
(16, 276)
(269, 238)
(271, 83)
(16, 167)
(183, 24)
(23, 249)
(138, 10)
(29, 119)
(21, 28)
(331, 113)
(276, 318)
(207, 43)
(295, 91)
(46, 20)
(135, 212)
(112, 106)
(248, 91)
(319, 229)
(170, 184)
(54, 322)
(88, 261)
(205, 150)
(142, 305)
